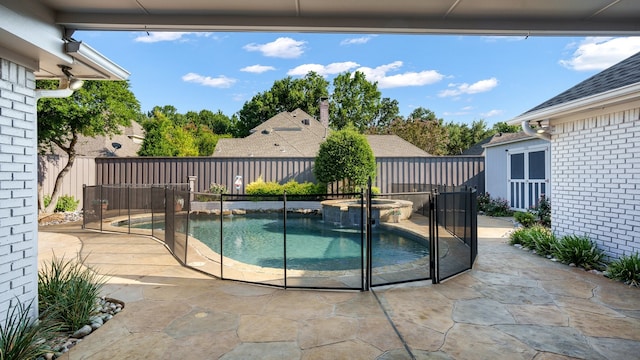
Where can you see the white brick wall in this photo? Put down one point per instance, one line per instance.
(596, 177)
(18, 189)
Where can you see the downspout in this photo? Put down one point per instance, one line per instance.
(529, 131)
(58, 93)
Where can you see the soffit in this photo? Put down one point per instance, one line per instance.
(544, 17)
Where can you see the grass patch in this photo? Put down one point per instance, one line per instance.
(22, 337)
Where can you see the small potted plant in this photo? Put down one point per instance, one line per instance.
(179, 203)
(394, 215)
(100, 203)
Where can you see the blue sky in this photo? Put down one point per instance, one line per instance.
(460, 78)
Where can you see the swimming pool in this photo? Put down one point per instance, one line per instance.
(257, 239)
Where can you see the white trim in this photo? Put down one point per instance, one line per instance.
(98, 62)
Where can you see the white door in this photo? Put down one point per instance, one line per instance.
(528, 172)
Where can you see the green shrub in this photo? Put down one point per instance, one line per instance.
(543, 239)
(519, 236)
(493, 206)
(483, 201)
(67, 290)
(273, 188)
(543, 211)
(580, 251)
(22, 337)
(526, 219)
(345, 155)
(65, 203)
(536, 238)
(218, 189)
(625, 269)
(206, 197)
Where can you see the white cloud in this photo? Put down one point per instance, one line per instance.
(356, 41)
(217, 82)
(492, 113)
(477, 87)
(323, 70)
(153, 37)
(284, 47)
(599, 53)
(385, 81)
(257, 69)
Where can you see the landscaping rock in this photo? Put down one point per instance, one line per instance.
(82, 332)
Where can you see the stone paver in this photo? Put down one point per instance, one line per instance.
(512, 305)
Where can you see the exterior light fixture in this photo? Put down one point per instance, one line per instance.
(71, 82)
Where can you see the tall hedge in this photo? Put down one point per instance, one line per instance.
(345, 155)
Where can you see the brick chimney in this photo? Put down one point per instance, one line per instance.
(324, 111)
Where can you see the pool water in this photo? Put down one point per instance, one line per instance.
(258, 239)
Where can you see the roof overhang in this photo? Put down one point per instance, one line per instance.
(29, 37)
(555, 114)
(501, 17)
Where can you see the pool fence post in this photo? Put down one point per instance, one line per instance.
(369, 252)
(434, 261)
(362, 227)
(284, 234)
(221, 236)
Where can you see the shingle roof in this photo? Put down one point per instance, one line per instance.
(287, 134)
(503, 138)
(393, 146)
(624, 73)
(297, 134)
(102, 146)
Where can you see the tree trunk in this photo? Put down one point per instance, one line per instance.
(71, 152)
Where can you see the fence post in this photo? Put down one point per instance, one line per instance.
(84, 206)
(284, 234)
(369, 252)
(101, 212)
(192, 186)
(434, 261)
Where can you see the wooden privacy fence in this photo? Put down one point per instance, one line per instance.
(393, 174)
(82, 173)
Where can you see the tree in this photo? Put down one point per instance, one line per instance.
(171, 113)
(354, 101)
(428, 135)
(163, 138)
(206, 140)
(388, 111)
(503, 127)
(345, 156)
(99, 108)
(286, 94)
(462, 137)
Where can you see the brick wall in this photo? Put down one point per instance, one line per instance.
(596, 177)
(18, 175)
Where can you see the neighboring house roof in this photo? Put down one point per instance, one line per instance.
(103, 146)
(478, 148)
(298, 134)
(393, 146)
(287, 134)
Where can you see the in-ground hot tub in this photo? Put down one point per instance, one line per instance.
(347, 212)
